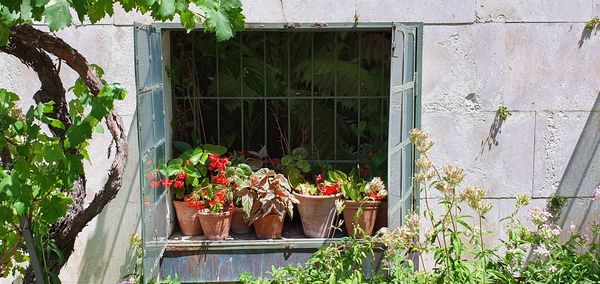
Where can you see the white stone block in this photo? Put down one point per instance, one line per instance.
(533, 11)
(463, 68)
(453, 11)
(110, 47)
(547, 69)
(567, 160)
(499, 160)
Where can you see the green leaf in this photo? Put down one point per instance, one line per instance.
(98, 9)
(55, 208)
(19, 207)
(215, 149)
(188, 20)
(218, 22)
(166, 9)
(57, 15)
(4, 33)
(181, 146)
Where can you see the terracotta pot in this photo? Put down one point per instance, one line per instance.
(382, 217)
(317, 214)
(238, 224)
(188, 219)
(269, 227)
(365, 221)
(215, 225)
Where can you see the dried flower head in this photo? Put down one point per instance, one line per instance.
(474, 197)
(420, 139)
(453, 175)
(523, 200)
(539, 216)
(424, 163)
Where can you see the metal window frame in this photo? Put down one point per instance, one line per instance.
(416, 122)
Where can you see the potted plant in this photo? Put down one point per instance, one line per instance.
(362, 199)
(317, 207)
(183, 176)
(266, 198)
(239, 176)
(218, 192)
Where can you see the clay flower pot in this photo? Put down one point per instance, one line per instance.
(269, 227)
(365, 221)
(317, 214)
(215, 225)
(382, 217)
(238, 224)
(188, 219)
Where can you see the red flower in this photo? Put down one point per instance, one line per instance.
(167, 182)
(150, 176)
(179, 184)
(154, 184)
(241, 154)
(330, 189)
(187, 162)
(220, 196)
(221, 179)
(182, 176)
(192, 203)
(364, 172)
(370, 154)
(217, 163)
(375, 196)
(319, 179)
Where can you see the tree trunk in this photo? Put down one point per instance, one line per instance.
(32, 46)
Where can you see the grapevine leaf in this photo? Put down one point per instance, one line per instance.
(4, 33)
(57, 15)
(218, 22)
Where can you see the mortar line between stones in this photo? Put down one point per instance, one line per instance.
(533, 154)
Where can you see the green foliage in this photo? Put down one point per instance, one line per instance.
(593, 23)
(556, 203)
(38, 169)
(454, 240)
(223, 17)
(503, 113)
(296, 166)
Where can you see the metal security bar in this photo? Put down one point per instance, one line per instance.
(357, 62)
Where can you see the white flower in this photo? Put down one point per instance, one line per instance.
(597, 193)
(541, 251)
(552, 268)
(539, 216)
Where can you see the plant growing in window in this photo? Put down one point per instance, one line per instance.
(266, 198)
(317, 207)
(362, 201)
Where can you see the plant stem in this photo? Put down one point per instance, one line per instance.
(482, 249)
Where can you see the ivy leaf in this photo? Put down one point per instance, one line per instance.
(57, 15)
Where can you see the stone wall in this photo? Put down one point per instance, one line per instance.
(532, 56)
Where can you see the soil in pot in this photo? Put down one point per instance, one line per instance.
(318, 214)
(188, 219)
(365, 221)
(215, 225)
(269, 227)
(238, 224)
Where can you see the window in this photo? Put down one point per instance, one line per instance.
(337, 90)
